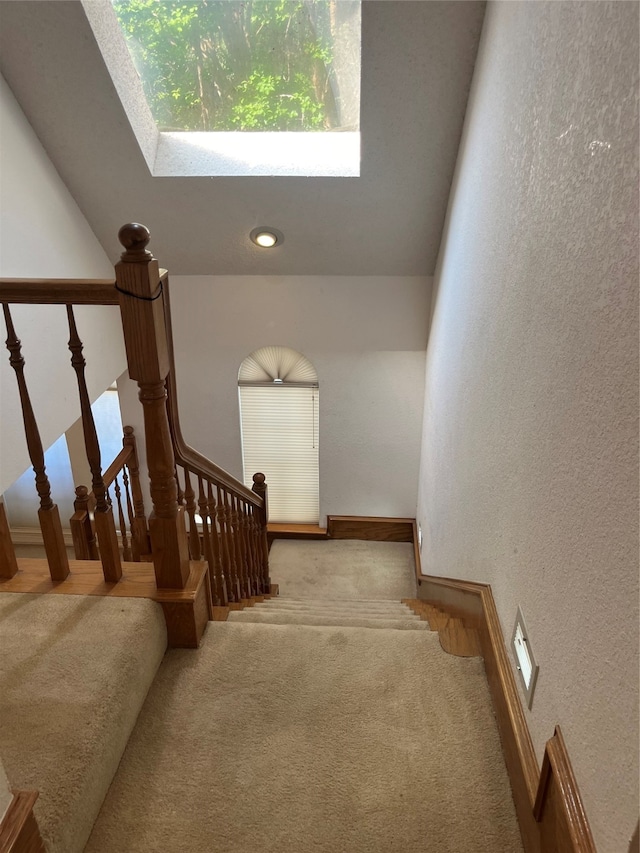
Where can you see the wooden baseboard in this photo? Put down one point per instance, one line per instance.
(19, 831)
(548, 803)
(370, 528)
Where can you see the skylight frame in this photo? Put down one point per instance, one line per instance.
(215, 153)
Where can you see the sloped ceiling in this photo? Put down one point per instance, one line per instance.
(417, 64)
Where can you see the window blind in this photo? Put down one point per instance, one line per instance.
(279, 425)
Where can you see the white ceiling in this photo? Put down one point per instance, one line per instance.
(417, 63)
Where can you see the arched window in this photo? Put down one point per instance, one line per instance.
(278, 389)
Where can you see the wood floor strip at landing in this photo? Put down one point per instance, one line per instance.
(85, 578)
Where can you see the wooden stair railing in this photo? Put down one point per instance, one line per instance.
(227, 520)
(123, 476)
(234, 535)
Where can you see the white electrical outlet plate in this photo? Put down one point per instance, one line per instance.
(525, 660)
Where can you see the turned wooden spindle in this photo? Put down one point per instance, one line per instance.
(219, 584)
(126, 550)
(129, 505)
(190, 506)
(103, 513)
(236, 530)
(84, 540)
(145, 336)
(141, 544)
(48, 514)
(248, 554)
(228, 551)
(8, 562)
(260, 488)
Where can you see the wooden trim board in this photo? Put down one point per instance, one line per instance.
(376, 529)
(19, 831)
(559, 812)
(548, 804)
(295, 531)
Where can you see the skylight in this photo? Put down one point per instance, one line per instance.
(237, 87)
(254, 65)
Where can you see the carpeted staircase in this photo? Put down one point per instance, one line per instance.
(349, 614)
(307, 722)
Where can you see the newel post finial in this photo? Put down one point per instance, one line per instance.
(135, 238)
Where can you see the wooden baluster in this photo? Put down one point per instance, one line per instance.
(130, 515)
(260, 488)
(245, 588)
(257, 546)
(207, 539)
(145, 336)
(48, 514)
(244, 521)
(244, 546)
(126, 550)
(141, 544)
(8, 562)
(179, 487)
(222, 581)
(207, 509)
(103, 513)
(190, 504)
(252, 551)
(84, 541)
(222, 514)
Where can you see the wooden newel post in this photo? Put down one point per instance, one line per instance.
(145, 337)
(260, 488)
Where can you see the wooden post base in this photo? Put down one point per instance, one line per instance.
(187, 611)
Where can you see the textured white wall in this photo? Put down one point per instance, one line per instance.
(44, 234)
(529, 474)
(366, 336)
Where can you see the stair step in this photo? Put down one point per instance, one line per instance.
(345, 621)
(366, 605)
(349, 614)
(392, 612)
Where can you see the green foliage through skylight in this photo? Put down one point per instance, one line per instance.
(221, 65)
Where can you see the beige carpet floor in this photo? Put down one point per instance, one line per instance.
(298, 739)
(343, 568)
(74, 672)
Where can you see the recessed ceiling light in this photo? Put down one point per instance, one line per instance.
(266, 238)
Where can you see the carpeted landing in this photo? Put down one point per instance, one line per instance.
(291, 738)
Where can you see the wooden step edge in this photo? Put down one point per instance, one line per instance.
(456, 638)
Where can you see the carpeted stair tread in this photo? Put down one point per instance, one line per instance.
(329, 601)
(299, 739)
(74, 673)
(352, 606)
(390, 612)
(282, 618)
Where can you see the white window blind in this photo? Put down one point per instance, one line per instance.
(280, 438)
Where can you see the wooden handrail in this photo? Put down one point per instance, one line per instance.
(185, 455)
(58, 291)
(117, 465)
